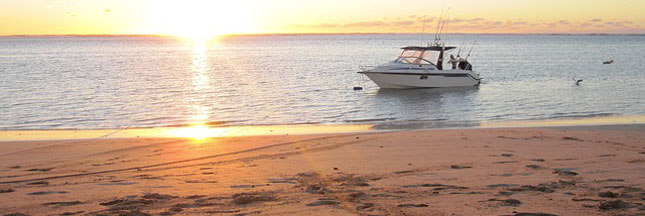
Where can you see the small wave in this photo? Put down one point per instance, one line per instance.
(158, 119)
(573, 115)
(369, 120)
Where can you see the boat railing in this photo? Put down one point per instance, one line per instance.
(365, 68)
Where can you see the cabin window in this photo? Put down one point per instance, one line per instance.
(424, 77)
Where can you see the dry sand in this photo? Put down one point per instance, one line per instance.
(505, 171)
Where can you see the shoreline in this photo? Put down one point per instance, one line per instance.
(199, 131)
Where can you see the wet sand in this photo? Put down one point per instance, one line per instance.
(504, 171)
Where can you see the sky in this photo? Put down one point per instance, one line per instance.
(203, 18)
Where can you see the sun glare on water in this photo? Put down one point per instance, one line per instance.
(198, 20)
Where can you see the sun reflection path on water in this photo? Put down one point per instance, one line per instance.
(201, 86)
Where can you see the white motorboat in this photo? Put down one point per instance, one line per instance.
(422, 67)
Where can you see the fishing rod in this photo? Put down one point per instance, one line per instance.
(462, 45)
(471, 50)
(436, 35)
(423, 29)
(443, 24)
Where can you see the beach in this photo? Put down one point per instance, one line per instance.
(580, 170)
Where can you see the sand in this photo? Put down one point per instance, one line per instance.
(503, 171)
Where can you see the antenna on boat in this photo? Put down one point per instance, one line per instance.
(423, 29)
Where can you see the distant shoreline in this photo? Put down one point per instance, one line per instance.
(312, 34)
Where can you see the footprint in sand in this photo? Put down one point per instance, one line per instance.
(565, 172)
(117, 183)
(40, 170)
(9, 190)
(410, 205)
(501, 185)
(248, 186)
(246, 198)
(364, 206)
(535, 167)
(505, 162)
(16, 214)
(63, 203)
(506, 202)
(615, 204)
(46, 193)
(460, 167)
(323, 202)
(38, 183)
(72, 213)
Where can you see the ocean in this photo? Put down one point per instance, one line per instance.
(117, 82)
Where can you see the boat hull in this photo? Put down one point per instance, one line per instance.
(423, 80)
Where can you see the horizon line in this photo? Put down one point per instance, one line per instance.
(296, 34)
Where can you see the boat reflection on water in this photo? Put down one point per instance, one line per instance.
(436, 105)
(425, 93)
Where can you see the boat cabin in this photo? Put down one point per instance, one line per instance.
(430, 55)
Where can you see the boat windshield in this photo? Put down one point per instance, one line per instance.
(420, 57)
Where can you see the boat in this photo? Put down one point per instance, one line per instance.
(422, 67)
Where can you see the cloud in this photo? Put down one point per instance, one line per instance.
(367, 24)
(411, 23)
(619, 23)
(474, 20)
(389, 21)
(324, 25)
(558, 23)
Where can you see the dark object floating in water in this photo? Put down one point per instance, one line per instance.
(608, 62)
(358, 88)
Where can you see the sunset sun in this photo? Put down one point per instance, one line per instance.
(198, 19)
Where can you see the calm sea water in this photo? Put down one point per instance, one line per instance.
(114, 82)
